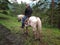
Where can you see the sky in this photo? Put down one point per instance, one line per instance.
(27, 1)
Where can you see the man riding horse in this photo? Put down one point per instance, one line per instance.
(33, 21)
(27, 13)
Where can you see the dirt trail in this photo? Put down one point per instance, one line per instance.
(7, 38)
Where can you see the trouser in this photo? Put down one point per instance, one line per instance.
(23, 20)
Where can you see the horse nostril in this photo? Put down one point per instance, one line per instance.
(19, 20)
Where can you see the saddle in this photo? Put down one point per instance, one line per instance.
(26, 21)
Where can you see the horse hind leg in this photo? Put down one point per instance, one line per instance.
(35, 33)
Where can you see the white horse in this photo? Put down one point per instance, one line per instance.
(35, 23)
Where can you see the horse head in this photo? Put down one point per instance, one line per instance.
(20, 17)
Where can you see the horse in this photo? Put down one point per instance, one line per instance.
(35, 23)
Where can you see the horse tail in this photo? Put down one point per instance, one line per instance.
(39, 25)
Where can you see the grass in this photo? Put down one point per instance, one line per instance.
(51, 36)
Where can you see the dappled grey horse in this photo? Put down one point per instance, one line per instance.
(35, 23)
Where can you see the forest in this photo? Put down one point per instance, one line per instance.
(11, 33)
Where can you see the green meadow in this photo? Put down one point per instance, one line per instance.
(50, 36)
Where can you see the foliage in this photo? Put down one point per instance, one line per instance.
(42, 9)
(51, 36)
(18, 8)
(4, 6)
(47, 13)
(55, 15)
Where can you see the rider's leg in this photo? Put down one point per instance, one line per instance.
(23, 20)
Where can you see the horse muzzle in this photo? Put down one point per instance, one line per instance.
(19, 20)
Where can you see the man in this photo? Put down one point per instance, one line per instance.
(28, 12)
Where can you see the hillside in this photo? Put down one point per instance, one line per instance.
(11, 33)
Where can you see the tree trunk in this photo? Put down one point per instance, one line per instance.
(58, 13)
(52, 12)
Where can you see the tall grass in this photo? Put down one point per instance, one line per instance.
(51, 36)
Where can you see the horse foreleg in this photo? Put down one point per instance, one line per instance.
(26, 31)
